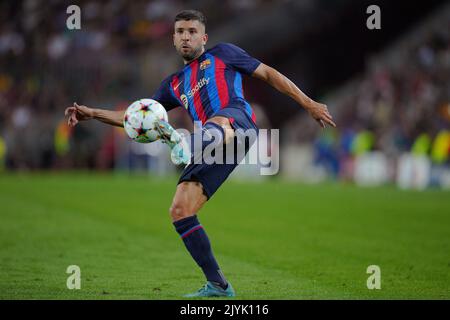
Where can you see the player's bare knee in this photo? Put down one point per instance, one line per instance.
(178, 211)
(229, 134)
(188, 200)
(225, 124)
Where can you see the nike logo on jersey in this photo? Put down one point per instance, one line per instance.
(176, 87)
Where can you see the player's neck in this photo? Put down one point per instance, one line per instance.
(188, 61)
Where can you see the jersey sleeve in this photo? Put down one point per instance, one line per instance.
(164, 95)
(237, 58)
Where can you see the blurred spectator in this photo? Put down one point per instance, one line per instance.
(399, 104)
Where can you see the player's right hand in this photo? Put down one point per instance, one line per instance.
(78, 113)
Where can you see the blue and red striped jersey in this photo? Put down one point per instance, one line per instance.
(209, 83)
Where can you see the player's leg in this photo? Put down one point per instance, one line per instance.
(188, 200)
(227, 129)
(217, 130)
(192, 195)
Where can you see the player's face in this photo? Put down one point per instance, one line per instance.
(189, 39)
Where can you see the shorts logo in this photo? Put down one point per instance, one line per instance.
(205, 64)
(185, 101)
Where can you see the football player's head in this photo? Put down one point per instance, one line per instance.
(189, 37)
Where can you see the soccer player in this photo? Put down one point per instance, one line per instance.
(209, 87)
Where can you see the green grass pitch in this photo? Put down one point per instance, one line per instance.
(273, 240)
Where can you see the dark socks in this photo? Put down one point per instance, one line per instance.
(198, 245)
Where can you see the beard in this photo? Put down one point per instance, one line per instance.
(191, 54)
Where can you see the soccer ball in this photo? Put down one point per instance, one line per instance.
(139, 120)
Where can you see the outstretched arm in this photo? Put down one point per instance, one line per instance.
(80, 113)
(280, 82)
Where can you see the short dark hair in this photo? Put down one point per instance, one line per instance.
(187, 15)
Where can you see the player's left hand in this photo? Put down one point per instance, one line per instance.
(321, 114)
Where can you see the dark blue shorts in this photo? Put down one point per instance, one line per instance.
(211, 176)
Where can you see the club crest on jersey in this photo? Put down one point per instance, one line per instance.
(205, 64)
(185, 101)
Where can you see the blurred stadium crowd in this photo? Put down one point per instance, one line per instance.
(399, 103)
